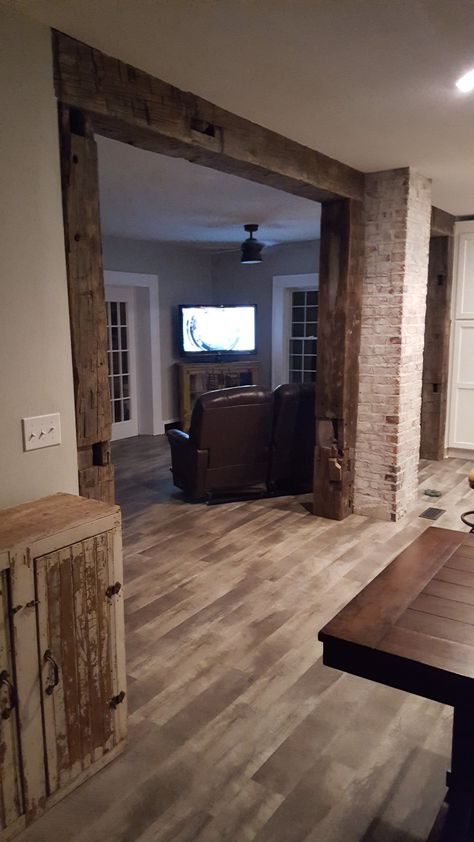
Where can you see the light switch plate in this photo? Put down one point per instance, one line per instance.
(41, 431)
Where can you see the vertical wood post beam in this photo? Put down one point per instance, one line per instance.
(337, 377)
(436, 351)
(80, 187)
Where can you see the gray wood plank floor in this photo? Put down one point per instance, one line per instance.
(237, 731)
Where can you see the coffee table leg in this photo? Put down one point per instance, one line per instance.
(458, 823)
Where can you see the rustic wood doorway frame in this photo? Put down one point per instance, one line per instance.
(99, 94)
(437, 335)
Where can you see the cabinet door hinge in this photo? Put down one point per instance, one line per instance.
(113, 590)
(117, 700)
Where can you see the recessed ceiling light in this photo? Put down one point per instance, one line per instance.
(466, 82)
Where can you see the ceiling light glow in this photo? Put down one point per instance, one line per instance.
(466, 82)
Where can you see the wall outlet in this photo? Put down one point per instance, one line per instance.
(41, 431)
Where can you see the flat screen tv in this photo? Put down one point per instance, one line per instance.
(215, 330)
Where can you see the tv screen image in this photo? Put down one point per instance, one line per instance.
(218, 330)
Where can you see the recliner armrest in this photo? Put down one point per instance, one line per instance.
(177, 437)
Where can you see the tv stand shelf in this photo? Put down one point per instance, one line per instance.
(197, 378)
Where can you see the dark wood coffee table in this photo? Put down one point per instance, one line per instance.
(412, 628)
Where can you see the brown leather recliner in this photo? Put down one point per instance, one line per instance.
(228, 445)
(293, 439)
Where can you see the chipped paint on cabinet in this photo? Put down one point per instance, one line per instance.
(59, 557)
(11, 807)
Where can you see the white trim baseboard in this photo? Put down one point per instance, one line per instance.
(460, 453)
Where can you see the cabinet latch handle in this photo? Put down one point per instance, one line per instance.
(32, 603)
(48, 659)
(113, 590)
(117, 700)
(5, 682)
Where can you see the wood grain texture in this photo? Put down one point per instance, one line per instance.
(74, 623)
(442, 223)
(31, 522)
(79, 176)
(11, 807)
(436, 347)
(388, 617)
(222, 610)
(337, 376)
(197, 378)
(85, 282)
(58, 629)
(129, 105)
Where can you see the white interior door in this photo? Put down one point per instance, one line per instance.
(461, 404)
(462, 387)
(120, 302)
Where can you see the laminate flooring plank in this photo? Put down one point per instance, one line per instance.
(237, 731)
(383, 766)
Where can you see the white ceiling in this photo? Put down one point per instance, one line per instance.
(152, 197)
(370, 82)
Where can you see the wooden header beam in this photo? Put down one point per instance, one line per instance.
(442, 223)
(126, 104)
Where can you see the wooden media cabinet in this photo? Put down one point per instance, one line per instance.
(197, 378)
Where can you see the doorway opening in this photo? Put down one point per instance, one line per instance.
(224, 143)
(134, 353)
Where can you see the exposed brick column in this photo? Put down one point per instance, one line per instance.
(397, 216)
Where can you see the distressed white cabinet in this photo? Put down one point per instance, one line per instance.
(62, 663)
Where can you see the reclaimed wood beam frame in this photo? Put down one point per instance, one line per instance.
(442, 223)
(437, 334)
(83, 246)
(111, 98)
(132, 106)
(337, 374)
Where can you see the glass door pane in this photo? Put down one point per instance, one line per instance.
(303, 336)
(119, 360)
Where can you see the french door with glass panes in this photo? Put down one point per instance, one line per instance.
(120, 303)
(303, 330)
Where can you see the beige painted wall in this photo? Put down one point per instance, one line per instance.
(35, 354)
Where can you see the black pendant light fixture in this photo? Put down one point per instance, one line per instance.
(251, 249)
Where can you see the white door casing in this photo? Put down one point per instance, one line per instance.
(460, 429)
(147, 336)
(282, 285)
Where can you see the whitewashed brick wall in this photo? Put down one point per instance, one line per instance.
(397, 217)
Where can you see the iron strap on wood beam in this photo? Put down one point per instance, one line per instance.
(132, 106)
